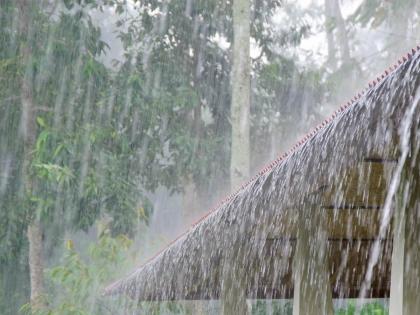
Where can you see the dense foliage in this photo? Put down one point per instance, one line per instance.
(78, 281)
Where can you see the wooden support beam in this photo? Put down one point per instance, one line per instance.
(312, 288)
(397, 267)
(234, 297)
(345, 223)
(405, 268)
(380, 160)
(234, 282)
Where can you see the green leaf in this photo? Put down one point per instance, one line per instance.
(41, 122)
(57, 150)
(41, 140)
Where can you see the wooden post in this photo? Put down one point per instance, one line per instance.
(234, 281)
(234, 295)
(397, 267)
(312, 288)
(405, 269)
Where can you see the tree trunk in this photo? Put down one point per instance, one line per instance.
(233, 291)
(335, 21)
(342, 37)
(240, 107)
(28, 125)
(329, 28)
(36, 264)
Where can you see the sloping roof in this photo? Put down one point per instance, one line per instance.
(324, 170)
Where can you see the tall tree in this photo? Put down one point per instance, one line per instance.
(329, 28)
(240, 105)
(233, 286)
(335, 24)
(342, 37)
(28, 125)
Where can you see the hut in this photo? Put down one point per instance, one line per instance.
(338, 216)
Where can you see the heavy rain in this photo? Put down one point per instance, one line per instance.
(204, 157)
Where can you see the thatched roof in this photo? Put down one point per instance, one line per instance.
(338, 173)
